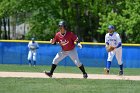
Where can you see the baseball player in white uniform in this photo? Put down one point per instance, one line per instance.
(113, 39)
(33, 46)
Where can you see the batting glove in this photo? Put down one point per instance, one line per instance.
(79, 45)
(50, 40)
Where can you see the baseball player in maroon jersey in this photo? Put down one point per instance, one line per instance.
(66, 40)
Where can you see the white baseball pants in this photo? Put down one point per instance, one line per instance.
(118, 53)
(32, 55)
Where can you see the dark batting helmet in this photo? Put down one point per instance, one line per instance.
(62, 23)
(111, 27)
(32, 39)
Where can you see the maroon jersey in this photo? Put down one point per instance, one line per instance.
(66, 41)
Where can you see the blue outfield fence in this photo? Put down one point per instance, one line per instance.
(92, 54)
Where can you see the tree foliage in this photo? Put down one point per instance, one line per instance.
(87, 18)
(126, 20)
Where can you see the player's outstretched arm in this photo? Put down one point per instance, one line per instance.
(52, 41)
(78, 43)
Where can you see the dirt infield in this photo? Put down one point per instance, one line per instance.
(66, 75)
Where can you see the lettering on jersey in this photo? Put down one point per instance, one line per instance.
(114, 40)
(64, 42)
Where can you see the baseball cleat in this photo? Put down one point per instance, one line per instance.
(85, 75)
(106, 71)
(120, 72)
(48, 74)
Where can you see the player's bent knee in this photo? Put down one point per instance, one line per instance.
(120, 63)
(78, 64)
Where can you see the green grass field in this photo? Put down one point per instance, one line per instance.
(51, 85)
(66, 69)
(28, 85)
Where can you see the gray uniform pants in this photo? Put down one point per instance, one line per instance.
(72, 54)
